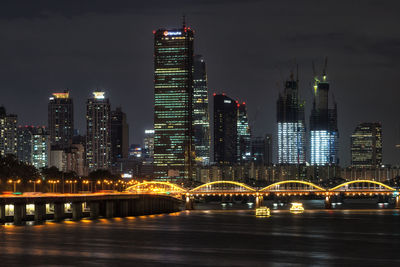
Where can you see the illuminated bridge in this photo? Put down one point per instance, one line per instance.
(361, 188)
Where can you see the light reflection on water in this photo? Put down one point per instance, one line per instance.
(210, 237)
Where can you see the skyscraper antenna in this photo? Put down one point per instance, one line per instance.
(325, 66)
(183, 21)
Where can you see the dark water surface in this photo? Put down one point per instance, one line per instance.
(211, 237)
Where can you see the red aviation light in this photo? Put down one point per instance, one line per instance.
(223, 93)
(237, 102)
(214, 94)
(244, 103)
(238, 105)
(154, 31)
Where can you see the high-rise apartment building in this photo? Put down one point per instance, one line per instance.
(33, 146)
(291, 125)
(60, 120)
(174, 153)
(8, 133)
(119, 135)
(225, 129)
(98, 132)
(201, 118)
(366, 145)
(243, 134)
(324, 132)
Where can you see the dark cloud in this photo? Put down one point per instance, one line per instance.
(249, 46)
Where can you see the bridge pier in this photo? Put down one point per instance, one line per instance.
(77, 211)
(59, 211)
(189, 203)
(328, 202)
(40, 212)
(397, 202)
(259, 201)
(2, 213)
(110, 208)
(19, 213)
(123, 208)
(94, 209)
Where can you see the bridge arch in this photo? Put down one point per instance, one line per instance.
(288, 186)
(223, 186)
(363, 185)
(156, 187)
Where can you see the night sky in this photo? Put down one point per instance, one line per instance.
(249, 48)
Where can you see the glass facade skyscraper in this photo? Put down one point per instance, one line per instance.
(61, 120)
(366, 145)
(324, 132)
(201, 118)
(291, 125)
(225, 129)
(119, 135)
(243, 134)
(174, 153)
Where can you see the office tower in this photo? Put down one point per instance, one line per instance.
(174, 152)
(201, 118)
(225, 129)
(366, 145)
(98, 132)
(119, 135)
(61, 120)
(243, 134)
(8, 133)
(261, 150)
(291, 125)
(323, 125)
(149, 143)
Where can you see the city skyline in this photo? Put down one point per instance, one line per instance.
(256, 83)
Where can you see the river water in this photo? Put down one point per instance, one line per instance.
(211, 236)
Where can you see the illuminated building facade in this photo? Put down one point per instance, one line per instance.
(119, 135)
(225, 129)
(174, 153)
(201, 118)
(149, 143)
(98, 132)
(291, 125)
(243, 134)
(366, 145)
(8, 133)
(324, 132)
(33, 146)
(61, 120)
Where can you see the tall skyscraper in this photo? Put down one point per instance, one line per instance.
(291, 125)
(243, 134)
(261, 150)
(174, 154)
(98, 132)
(149, 143)
(8, 133)
(34, 146)
(366, 145)
(61, 120)
(324, 132)
(201, 118)
(225, 129)
(119, 135)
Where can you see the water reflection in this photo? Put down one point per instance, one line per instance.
(211, 236)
